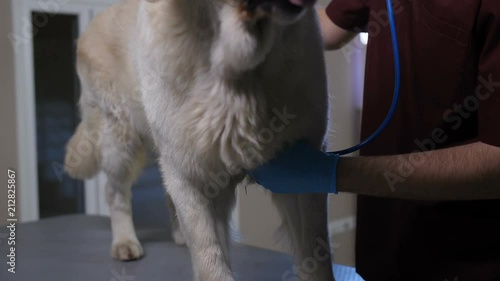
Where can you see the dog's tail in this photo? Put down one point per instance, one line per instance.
(82, 160)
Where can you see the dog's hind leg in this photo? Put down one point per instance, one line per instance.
(123, 158)
(203, 213)
(306, 229)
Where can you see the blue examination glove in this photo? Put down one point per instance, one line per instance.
(299, 169)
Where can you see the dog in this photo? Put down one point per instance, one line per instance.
(216, 88)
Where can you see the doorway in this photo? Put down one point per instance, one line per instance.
(56, 96)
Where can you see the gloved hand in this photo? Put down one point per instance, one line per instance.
(299, 169)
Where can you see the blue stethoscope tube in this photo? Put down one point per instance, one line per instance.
(397, 85)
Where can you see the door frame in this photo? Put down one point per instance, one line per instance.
(22, 42)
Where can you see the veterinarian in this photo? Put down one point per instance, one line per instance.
(429, 185)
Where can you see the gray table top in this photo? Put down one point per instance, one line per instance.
(76, 248)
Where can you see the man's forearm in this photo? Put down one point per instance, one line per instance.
(465, 172)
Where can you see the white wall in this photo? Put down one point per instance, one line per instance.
(345, 76)
(8, 124)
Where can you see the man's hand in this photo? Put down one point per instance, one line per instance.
(468, 172)
(299, 169)
(334, 37)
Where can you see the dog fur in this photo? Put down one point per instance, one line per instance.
(216, 90)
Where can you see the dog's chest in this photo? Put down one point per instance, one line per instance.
(240, 127)
(228, 125)
(201, 118)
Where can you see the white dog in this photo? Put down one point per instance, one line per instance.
(218, 87)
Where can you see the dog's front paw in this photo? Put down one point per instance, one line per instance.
(127, 250)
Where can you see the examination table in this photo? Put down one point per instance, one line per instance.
(76, 248)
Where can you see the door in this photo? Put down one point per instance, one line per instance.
(56, 96)
(47, 91)
(44, 39)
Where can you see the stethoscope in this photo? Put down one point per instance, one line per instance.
(397, 85)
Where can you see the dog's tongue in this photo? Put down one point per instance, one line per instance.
(302, 3)
(298, 2)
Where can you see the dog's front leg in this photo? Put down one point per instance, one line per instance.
(203, 213)
(306, 229)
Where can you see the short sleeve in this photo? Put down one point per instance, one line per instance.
(349, 14)
(488, 91)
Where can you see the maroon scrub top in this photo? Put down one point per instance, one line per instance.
(450, 95)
